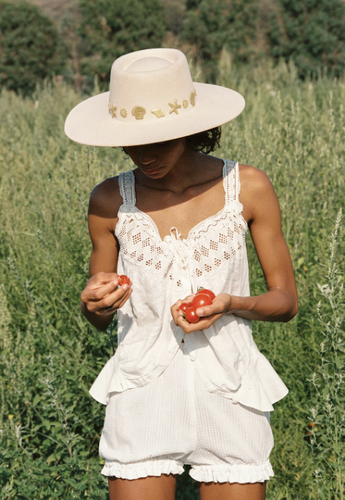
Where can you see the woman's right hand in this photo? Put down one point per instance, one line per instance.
(103, 295)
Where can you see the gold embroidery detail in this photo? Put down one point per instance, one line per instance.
(185, 103)
(158, 112)
(123, 113)
(174, 107)
(192, 98)
(112, 109)
(138, 112)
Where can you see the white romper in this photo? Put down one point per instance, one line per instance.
(173, 399)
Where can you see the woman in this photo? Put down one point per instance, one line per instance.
(178, 392)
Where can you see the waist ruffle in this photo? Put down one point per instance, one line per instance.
(119, 377)
(260, 386)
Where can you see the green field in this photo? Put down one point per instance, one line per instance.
(49, 355)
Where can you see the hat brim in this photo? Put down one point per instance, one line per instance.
(90, 122)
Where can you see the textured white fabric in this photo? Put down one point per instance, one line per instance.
(175, 420)
(212, 256)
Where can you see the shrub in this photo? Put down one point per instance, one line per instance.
(111, 28)
(212, 25)
(311, 33)
(29, 47)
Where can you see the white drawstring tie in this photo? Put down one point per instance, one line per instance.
(179, 247)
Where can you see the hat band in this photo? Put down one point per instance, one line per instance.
(138, 112)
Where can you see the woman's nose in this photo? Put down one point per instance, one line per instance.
(146, 156)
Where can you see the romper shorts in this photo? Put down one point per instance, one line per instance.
(174, 420)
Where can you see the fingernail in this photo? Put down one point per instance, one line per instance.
(125, 286)
(200, 312)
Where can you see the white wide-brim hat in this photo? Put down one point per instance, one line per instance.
(152, 98)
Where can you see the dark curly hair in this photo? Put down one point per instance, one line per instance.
(205, 142)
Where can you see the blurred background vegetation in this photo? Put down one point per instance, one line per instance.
(287, 59)
(77, 40)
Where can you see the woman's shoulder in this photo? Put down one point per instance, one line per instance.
(254, 176)
(105, 198)
(256, 190)
(254, 181)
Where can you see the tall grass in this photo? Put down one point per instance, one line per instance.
(49, 426)
(327, 413)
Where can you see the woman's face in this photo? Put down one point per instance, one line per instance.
(156, 160)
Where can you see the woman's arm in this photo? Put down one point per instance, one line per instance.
(262, 212)
(279, 303)
(102, 296)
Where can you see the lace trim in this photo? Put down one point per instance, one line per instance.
(231, 181)
(231, 184)
(240, 226)
(127, 188)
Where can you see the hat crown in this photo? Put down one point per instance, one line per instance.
(149, 85)
(148, 64)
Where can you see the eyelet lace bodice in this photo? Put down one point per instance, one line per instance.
(199, 257)
(164, 270)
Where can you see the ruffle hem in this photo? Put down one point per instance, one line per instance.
(232, 473)
(142, 469)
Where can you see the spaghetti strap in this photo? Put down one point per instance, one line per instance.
(127, 188)
(231, 181)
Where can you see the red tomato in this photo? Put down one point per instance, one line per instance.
(124, 280)
(184, 306)
(201, 299)
(206, 292)
(191, 315)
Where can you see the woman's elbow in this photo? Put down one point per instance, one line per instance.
(292, 310)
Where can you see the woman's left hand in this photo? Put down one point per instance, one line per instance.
(207, 314)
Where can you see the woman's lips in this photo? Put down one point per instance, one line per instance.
(151, 171)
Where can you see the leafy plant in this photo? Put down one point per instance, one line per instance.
(111, 28)
(212, 25)
(311, 33)
(327, 413)
(30, 47)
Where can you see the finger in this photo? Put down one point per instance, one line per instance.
(95, 293)
(217, 307)
(205, 311)
(189, 298)
(175, 307)
(174, 310)
(100, 293)
(202, 324)
(124, 299)
(115, 299)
